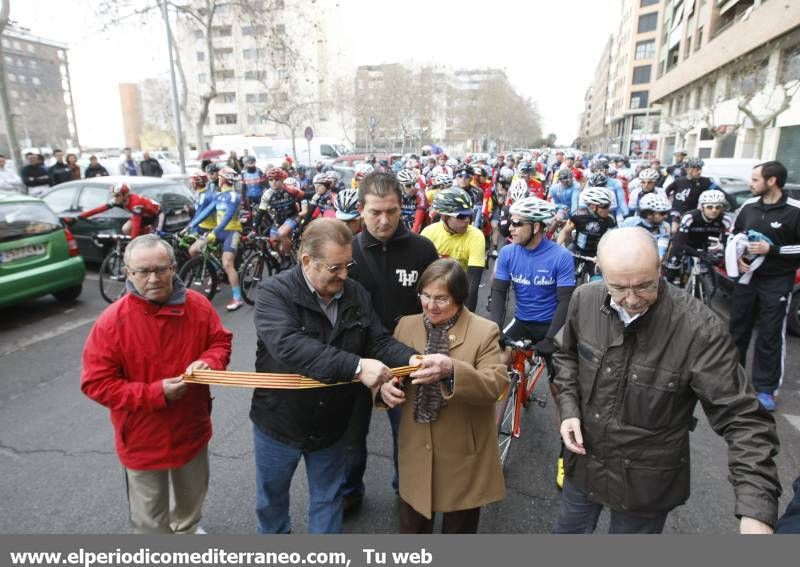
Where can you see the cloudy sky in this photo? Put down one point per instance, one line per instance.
(548, 48)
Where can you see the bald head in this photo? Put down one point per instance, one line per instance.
(629, 260)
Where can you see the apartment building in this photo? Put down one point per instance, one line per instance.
(39, 90)
(727, 74)
(594, 138)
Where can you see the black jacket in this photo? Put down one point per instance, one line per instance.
(295, 336)
(390, 271)
(635, 390)
(35, 175)
(151, 168)
(781, 224)
(59, 173)
(95, 171)
(685, 192)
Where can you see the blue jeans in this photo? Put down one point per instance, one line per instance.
(356, 435)
(578, 515)
(789, 523)
(275, 466)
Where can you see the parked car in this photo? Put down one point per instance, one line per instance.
(38, 256)
(353, 160)
(739, 192)
(72, 198)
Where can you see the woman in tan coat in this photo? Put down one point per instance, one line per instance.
(448, 458)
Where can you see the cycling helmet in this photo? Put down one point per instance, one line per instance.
(649, 174)
(274, 173)
(345, 204)
(300, 169)
(120, 189)
(291, 183)
(228, 174)
(451, 163)
(596, 196)
(480, 171)
(407, 176)
(518, 190)
(602, 163)
(362, 170)
(442, 180)
(694, 162)
(565, 174)
(464, 170)
(199, 179)
(598, 180)
(212, 168)
(333, 176)
(654, 202)
(412, 163)
(452, 201)
(534, 209)
(569, 154)
(526, 167)
(321, 178)
(680, 151)
(712, 197)
(507, 173)
(493, 162)
(250, 160)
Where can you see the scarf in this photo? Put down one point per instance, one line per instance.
(429, 400)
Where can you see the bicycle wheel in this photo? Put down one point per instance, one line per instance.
(505, 419)
(253, 271)
(112, 277)
(199, 274)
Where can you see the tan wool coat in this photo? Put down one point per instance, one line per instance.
(453, 463)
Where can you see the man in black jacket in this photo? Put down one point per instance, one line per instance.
(150, 166)
(389, 261)
(314, 321)
(34, 174)
(59, 172)
(768, 294)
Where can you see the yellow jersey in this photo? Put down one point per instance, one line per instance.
(468, 249)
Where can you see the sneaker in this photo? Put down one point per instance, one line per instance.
(234, 304)
(560, 473)
(767, 400)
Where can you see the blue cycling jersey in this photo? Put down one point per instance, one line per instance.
(536, 276)
(254, 182)
(616, 186)
(563, 196)
(660, 232)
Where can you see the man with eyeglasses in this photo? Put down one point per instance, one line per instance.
(634, 358)
(162, 425)
(456, 238)
(314, 321)
(686, 190)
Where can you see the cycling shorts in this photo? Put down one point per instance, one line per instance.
(229, 240)
(535, 331)
(291, 222)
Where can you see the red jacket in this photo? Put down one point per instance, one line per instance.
(137, 205)
(132, 347)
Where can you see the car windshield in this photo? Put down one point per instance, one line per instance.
(21, 220)
(266, 152)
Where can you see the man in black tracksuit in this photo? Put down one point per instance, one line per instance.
(685, 191)
(389, 261)
(769, 293)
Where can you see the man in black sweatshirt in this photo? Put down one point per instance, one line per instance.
(766, 298)
(389, 261)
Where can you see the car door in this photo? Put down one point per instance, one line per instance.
(108, 222)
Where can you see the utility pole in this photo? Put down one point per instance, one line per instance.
(174, 90)
(5, 107)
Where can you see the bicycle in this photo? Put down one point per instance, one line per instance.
(112, 269)
(264, 256)
(582, 272)
(525, 370)
(202, 273)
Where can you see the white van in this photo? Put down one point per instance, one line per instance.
(320, 149)
(266, 150)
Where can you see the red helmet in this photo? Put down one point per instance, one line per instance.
(228, 174)
(120, 189)
(199, 179)
(276, 173)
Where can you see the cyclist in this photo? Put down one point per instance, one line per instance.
(482, 197)
(527, 172)
(285, 207)
(414, 207)
(303, 179)
(362, 170)
(562, 193)
(543, 277)
(253, 182)
(454, 237)
(518, 191)
(653, 210)
(146, 214)
(686, 190)
(619, 206)
(204, 193)
(648, 184)
(499, 198)
(346, 205)
(696, 227)
(678, 168)
(226, 203)
(590, 225)
(321, 203)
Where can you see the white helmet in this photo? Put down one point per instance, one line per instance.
(363, 169)
(712, 197)
(518, 190)
(442, 180)
(346, 204)
(534, 209)
(407, 176)
(654, 202)
(649, 174)
(507, 173)
(596, 196)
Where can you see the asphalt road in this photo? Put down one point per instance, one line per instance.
(59, 472)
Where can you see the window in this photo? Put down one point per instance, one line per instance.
(222, 119)
(198, 34)
(6, 43)
(255, 75)
(202, 77)
(644, 3)
(641, 74)
(91, 197)
(35, 80)
(224, 75)
(227, 97)
(263, 97)
(280, 28)
(253, 30)
(645, 49)
(253, 53)
(224, 53)
(32, 49)
(14, 93)
(12, 77)
(222, 31)
(648, 22)
(790, 65)
(639, 99)
(250, 97)
(672, 56)
(750, 79)
(33, 64)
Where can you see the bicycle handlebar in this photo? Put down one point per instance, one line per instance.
(111, 237)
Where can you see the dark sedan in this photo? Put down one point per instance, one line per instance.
(72, 198)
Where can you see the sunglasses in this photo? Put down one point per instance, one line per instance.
(606, 206)
(518, 223)
(336, 268)
(464, 216)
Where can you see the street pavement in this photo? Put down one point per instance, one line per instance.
(60, 474)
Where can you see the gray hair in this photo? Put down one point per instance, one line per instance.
(148, 241)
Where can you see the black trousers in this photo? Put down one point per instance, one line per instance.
(457, 522)
(763, 303)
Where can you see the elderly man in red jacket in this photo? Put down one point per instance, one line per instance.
(132, 363)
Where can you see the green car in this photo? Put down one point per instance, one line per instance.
(38, 256)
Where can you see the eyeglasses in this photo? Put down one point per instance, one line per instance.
(606, 206)
(336, 268)
(464, 216)
(617, 291)
(518, 223)
(715, 207)
(144, 273)
(437, 301)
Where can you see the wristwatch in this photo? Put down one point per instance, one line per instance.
(358, 368)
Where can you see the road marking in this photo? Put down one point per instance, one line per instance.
(60, 330)
(794, 420)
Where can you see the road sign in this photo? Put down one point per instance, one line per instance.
(309, 133)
